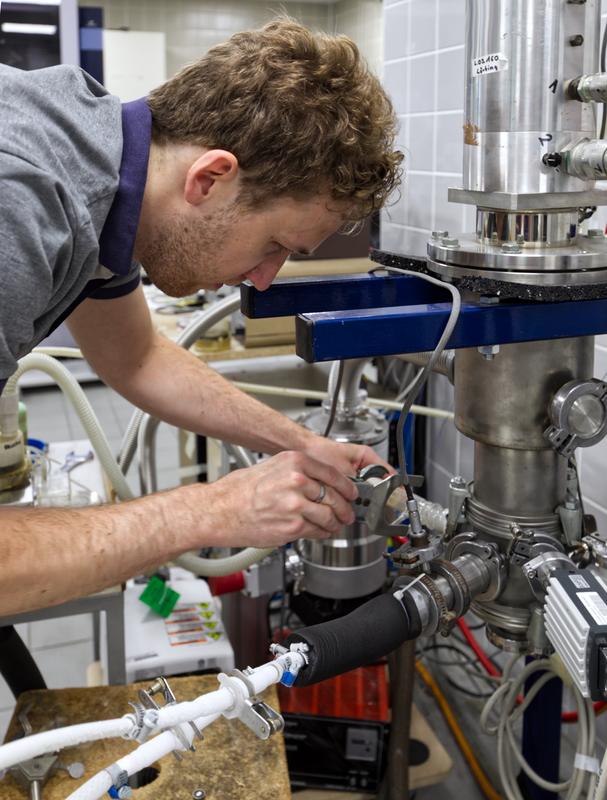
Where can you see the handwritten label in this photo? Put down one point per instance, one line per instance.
(492, 62)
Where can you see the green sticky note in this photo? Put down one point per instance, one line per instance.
(159, 597)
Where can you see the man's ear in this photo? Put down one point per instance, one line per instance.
(210, 169)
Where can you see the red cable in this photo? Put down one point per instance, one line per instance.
(491, 669)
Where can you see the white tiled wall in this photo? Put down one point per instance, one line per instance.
(193, 26)
(424, 74)
(361, 20)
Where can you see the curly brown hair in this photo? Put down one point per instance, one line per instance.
(299, 110)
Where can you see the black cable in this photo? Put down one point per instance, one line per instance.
(17, 666)
(334, 399)
(467, 660)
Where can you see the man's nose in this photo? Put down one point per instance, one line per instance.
(267, 271)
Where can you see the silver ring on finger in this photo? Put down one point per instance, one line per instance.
(321, 493)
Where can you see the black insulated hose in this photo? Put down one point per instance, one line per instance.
(362, 637)
(17, 666)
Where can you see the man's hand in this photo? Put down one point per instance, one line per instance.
(274, 502)
(347, 458)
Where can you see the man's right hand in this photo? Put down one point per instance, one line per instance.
(274, 502)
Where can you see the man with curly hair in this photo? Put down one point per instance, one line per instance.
(265, 146)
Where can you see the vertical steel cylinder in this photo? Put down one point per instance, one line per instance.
(519, 56)
(504, 402)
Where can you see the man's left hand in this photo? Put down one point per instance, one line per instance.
(347, 458)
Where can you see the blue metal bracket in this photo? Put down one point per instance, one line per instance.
(373, 315)
(289, 296)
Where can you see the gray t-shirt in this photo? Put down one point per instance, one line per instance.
(60, 154)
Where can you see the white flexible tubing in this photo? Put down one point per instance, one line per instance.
(310, 394)
(59, 352)
(140, 758)
(221, 699)
(70, 386)
(47, 742)
(217, 567)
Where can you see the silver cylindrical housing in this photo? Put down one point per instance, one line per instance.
(519, 482)
(351, 563)
(505, 402)
(519, 56)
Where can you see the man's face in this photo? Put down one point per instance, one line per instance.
(195, 250)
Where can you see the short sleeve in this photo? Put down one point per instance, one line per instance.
(36, 246)
(118, 285)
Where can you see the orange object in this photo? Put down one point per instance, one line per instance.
(359, 694)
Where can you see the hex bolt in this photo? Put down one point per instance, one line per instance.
(198, 794)
(520, 238)
(449, 241)
(440, 234)
(577, 40)
(552, 159)
(457, 482)
(511, 247)
(489, 351)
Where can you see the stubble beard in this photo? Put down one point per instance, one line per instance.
(181, 257)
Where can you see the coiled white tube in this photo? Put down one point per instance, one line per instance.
(70, 386)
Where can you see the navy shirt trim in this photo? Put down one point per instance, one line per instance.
(117, 240)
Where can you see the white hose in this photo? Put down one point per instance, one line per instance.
(144, 756)
(203, 711)
(309, 394)
(218, 567)
(59, 352)
(47, 742)
(70, 386)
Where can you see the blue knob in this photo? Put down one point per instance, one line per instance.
(288, 679)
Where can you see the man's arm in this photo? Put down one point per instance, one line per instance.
(50, 555)
(118, 339)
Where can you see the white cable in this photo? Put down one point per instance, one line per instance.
(70, 386)
(309, 394)
(510, 758)
(416, 385)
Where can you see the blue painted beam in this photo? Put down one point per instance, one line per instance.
(290, 296)
(327, 336)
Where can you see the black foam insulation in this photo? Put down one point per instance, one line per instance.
(502, 289)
